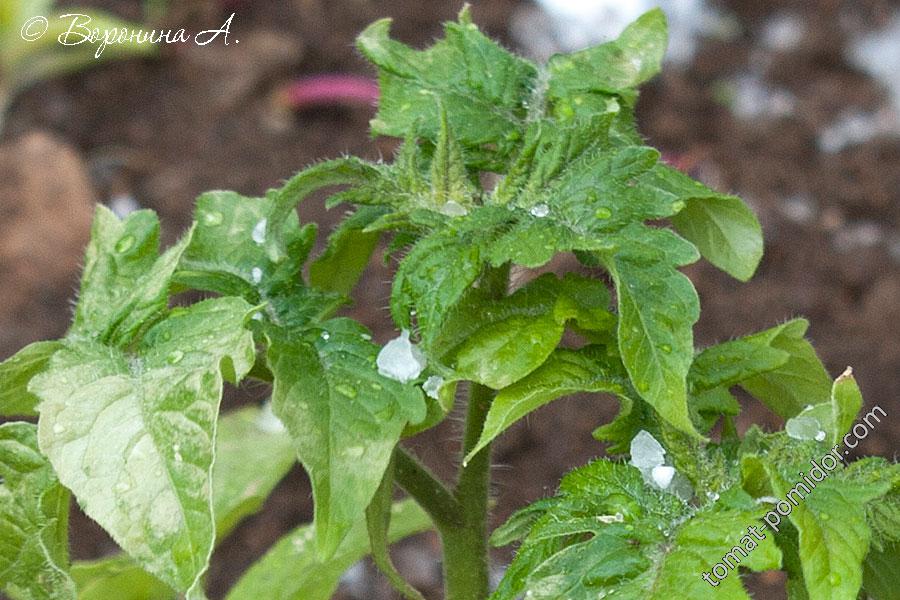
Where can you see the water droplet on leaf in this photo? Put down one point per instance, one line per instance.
(354, 451)
(603, 213)
(678, 206)
(347, 390)
(175, 357)
(256, 274)
(432, 386)
(125, 244)
(213, 218)
(453, 209)
(259, 231)
(400, 359)
(540, 211)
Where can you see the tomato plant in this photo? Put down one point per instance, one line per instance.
(127, 403)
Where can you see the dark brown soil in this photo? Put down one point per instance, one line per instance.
(195, 119)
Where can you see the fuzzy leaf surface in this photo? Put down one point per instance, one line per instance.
(15, 373)
(125, 284)
(564, 373)
(608, 534)
(132, 434)
(482, 87)
(344, 417)
(34, 520)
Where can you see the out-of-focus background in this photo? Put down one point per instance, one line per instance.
(794, 105)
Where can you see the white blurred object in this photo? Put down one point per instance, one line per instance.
(568, 25)
(878, 54)
(783, 32)
(754, 98)
(855, 127)
(400, 359)
(123, 205)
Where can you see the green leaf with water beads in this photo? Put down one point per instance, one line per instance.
(344, 417)
(132, 433)
(34, 520)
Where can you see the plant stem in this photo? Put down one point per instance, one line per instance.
(427, 490)
(466, 558)
(466, 547)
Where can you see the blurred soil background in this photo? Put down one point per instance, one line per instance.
(793, 105)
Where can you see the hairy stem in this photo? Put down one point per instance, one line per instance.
(427, 490)
(466, 547)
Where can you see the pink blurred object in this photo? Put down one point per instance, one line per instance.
(329, 90)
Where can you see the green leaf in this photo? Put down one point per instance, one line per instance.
(15, 373)
(723, 228)
(378, 521)
(293, 569)
(730, 363)
(132, 434)
(566, 372)
(431, 280)
(657, 309)
(124, 287)
(230, 240)
(252, 456)
(497, 342)
(615, 67)
(801, 381)
(881, 581)
(482, 87)
(344, 417)
(846, 401)
(239, 249)
(340, 171)
(506, 351)
(34, 520)
(253, 453)
(347, 254)
(117, 577)
(833, 534)
(608, 534)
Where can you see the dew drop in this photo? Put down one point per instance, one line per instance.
(432, 386)
(400, 359)
(366, 336)
(347, 390)
(213, 218)
(666, 348)
(603, 213)
(376, 386)
(125, 244)
(259, 231)
(540, 211)
(175, 357)
(453, 209)
(258, 316)
(713, 496)
(820, 436)
(678, 206)
(325, 335)
(834, 579)
(256, 274)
